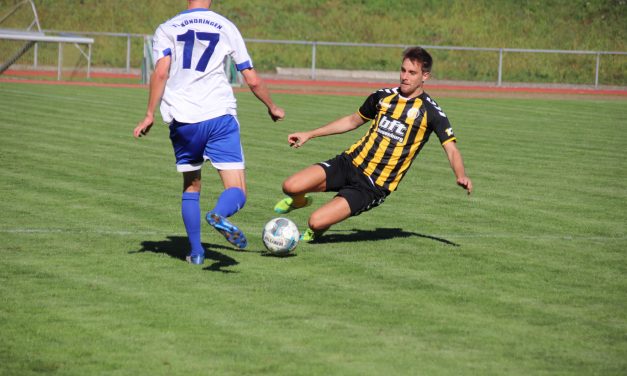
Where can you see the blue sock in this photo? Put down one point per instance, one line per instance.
(190, 210)
(230, 201)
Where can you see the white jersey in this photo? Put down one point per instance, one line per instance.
(198, 40)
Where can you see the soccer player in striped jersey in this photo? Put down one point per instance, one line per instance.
(198, 102)
(402, 119)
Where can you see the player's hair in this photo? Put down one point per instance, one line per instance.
(419, 55)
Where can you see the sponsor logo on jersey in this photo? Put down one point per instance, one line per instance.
(392, 128)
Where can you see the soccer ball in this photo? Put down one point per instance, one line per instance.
(280, 236)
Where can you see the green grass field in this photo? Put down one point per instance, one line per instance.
(525, 277)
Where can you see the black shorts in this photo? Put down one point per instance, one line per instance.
(349, 182)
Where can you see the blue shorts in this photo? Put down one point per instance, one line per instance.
(217, 140)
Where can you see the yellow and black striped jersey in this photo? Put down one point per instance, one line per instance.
(400, 127)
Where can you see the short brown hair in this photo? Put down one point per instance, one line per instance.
(419, 55)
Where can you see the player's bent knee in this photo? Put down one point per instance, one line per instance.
(290, 186)
(318, 222)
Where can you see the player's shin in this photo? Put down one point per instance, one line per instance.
(231, 200)
(190, 211)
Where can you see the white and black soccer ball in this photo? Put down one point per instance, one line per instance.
(280, 236)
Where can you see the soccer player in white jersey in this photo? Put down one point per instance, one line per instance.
(198, 102)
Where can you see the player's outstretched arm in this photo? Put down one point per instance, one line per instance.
(341, 125)
(158, 80)
(256, 85)
(457, 164)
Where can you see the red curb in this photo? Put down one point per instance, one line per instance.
(305, 84)
(512, 89)
(27, 73)
(70, 83)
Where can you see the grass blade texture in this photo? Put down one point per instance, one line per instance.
(525, 276)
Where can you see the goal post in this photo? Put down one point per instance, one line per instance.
(30, 38)
(20, 30)
(148, 65)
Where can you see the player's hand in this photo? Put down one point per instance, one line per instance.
(298, 139)
(276, 113)
(465, 183)
(143, 127)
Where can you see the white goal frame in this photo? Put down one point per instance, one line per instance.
(28, 35)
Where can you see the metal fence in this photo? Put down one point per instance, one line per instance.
(500, 52)
(127, 52)
(129, 56)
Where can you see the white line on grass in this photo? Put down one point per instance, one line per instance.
(444, 236)
(75, 231)
(536, 237)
